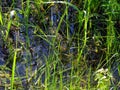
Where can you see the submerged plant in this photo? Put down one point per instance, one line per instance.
(103, 77)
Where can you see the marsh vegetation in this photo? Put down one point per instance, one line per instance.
(60, 45)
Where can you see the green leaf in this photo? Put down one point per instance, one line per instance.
(1, 18)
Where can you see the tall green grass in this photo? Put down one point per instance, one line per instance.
(13, 70)
(95, 31)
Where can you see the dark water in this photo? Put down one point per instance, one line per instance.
(35, 58)
(2, 61)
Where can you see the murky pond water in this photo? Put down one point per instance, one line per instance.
(39, 49)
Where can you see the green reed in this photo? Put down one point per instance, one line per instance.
(95, 27)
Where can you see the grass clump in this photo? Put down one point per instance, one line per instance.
(59, 45)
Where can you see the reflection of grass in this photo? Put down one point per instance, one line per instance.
(95, 41)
